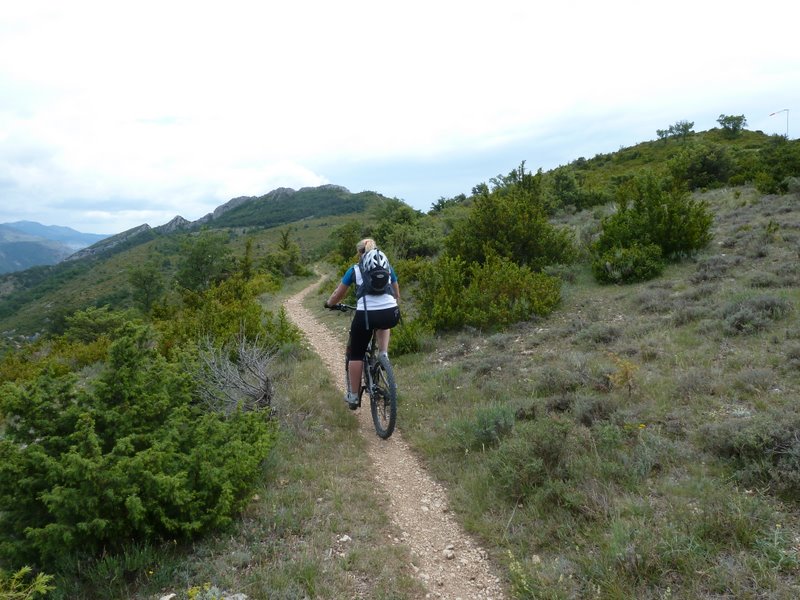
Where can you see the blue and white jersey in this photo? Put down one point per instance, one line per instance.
(374, 301)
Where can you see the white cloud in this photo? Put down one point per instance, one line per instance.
(183, 105)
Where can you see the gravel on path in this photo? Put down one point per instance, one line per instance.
(444, 558)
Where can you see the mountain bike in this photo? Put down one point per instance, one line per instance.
(377, 382)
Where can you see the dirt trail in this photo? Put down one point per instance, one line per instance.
(445, 559)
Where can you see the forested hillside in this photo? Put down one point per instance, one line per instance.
(600, 362)
(31, 300)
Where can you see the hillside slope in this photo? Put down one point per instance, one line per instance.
(285, 205)
(97, 275)
(641, 441)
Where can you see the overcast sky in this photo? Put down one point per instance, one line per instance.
(114, 114)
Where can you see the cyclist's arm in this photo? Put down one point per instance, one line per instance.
(341, 290)
(337, 295)
(395, 285)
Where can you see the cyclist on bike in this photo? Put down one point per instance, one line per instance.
(382, 312)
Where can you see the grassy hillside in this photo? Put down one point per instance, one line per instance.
(642, 440)
(605, 169)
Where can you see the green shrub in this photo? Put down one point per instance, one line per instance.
(343, 240)
(714, 268)
(628, 265)
(779, 161)
(21, 586)
(589, 410)
(409, 269)
(409, 336)
(793, 355)
(763, 450)
(649, 211)
(702, 166)
(511, 223)
(764, 279)
(91, 324)
(492, 295)
(441, 290)
(501, 293)
(417, 238)
(535, 455)
(483, 429)
(205, 259)
(754, 380)
(129, 456)
(225, 311)
(754, 314)
(552, 379)
(600, 333)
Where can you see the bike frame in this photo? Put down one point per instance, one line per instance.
(366, 371)
(377, 379)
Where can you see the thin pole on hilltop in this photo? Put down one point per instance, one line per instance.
(777, 112)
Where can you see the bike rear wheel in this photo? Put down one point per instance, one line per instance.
(383, 397)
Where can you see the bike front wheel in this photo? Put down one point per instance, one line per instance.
(383, 397)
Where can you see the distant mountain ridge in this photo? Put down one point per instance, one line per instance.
(279, 207)
(285, 205)
(25, 244)
(32, 244)
(66, 235)
(30, 298)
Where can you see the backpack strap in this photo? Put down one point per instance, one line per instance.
(366, 312)
(360, 288)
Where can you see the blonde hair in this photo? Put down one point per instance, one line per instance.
(365, 245)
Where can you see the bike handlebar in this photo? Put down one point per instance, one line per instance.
(341, 307)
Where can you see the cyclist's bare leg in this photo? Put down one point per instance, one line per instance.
(382, 336)
(354, 371)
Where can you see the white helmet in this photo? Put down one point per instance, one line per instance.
(375, 259)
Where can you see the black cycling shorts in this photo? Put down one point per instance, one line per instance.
(385, 318)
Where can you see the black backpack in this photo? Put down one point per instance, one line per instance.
(376, 276)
